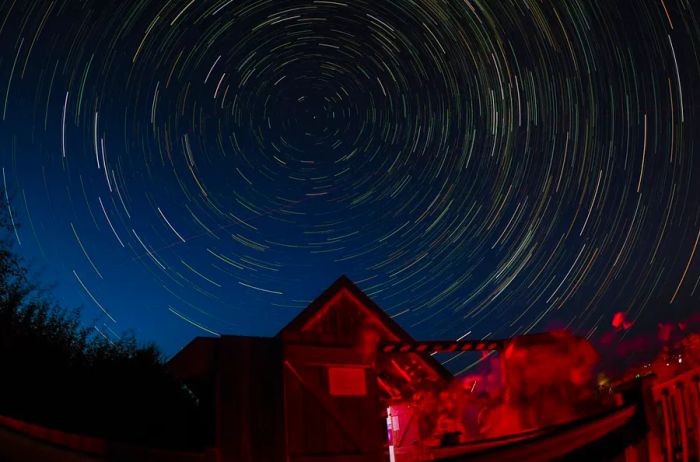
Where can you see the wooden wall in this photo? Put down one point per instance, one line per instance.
(321, 426)
(250, 408)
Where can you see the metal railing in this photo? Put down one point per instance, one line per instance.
(678, 411)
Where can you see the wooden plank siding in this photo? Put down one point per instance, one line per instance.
(249, 400)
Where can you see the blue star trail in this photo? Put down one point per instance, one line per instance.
(191, 167)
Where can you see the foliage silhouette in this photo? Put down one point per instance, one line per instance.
(56, 372)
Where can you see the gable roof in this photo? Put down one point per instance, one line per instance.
(322, 303)
(344, 286)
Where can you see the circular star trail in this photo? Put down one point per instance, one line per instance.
(479, 168)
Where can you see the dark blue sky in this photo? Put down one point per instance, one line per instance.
(480, 168)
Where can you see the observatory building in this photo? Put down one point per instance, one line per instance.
(343, 382)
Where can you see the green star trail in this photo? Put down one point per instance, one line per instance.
(480, 168)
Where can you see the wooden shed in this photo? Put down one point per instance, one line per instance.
(315, 392)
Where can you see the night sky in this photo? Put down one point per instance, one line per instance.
(479, 168)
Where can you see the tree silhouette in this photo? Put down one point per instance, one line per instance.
(57, 372)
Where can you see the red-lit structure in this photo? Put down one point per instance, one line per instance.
(342, 382)
(677, 402)
(317, 390)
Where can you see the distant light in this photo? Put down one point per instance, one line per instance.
(680, 360)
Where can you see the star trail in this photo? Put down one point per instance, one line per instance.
(481, 168)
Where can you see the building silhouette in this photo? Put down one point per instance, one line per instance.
(343, 382)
